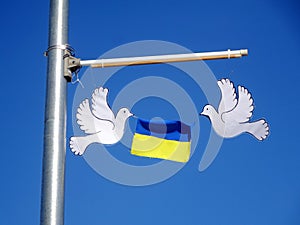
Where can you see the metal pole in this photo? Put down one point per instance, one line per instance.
(52, 200)
(164, 58)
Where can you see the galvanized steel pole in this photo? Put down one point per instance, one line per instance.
(52, 200)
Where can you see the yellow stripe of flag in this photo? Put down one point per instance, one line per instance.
(154, 147)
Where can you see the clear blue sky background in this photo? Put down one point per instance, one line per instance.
(249, 183)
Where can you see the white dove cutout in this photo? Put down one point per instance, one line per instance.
(232, 117)
(100, 124)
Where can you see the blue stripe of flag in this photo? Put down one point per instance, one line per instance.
(167, 129)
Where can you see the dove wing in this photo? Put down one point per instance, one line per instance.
(100, 108)
(228, 97)
(88, 122)
(244, 108)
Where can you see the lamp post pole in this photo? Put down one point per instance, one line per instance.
(52, 200)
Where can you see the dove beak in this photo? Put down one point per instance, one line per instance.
(202, 114)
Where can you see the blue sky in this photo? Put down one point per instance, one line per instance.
(249, 182)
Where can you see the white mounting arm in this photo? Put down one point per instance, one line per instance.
(73, 64)
(99, 63)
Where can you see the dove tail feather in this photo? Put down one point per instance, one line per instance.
(259, 129)
(78, 145)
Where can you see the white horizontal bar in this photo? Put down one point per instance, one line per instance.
(142, 60)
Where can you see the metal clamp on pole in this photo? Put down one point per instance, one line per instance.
(61, 47)
(71, 65)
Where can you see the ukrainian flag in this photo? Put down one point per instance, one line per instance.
(169, 140)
